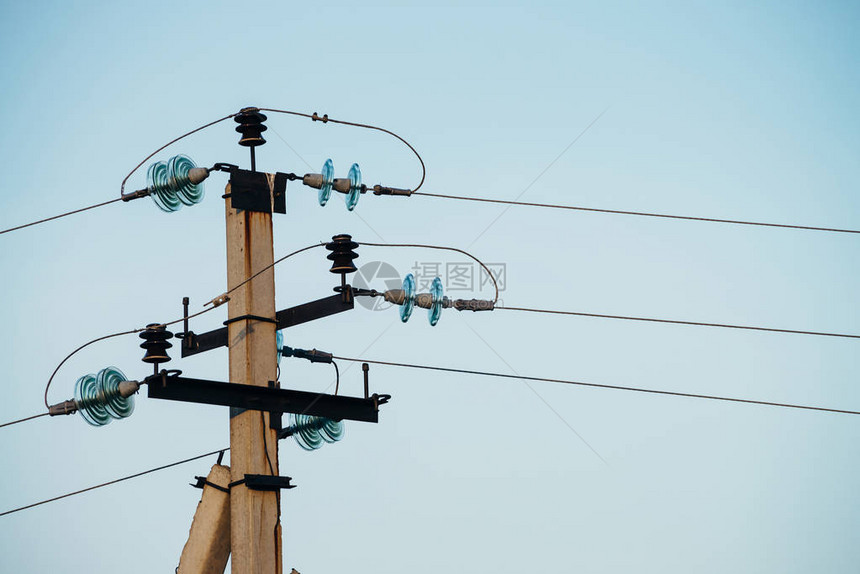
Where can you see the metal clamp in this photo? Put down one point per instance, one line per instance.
(251, 318)
(264, 482)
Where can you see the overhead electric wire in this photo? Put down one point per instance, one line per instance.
(597, 385)
(639, 213)
(271, 265)
(10, 423)
(87, 344)
(676, 322)
(168, 144)
(129, 477)
(60, 215)
(443, 248)
(325, 119)
(337, 377)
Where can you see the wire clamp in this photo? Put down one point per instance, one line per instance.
(472, 304)
(317, 118)
(219, 300)
(383, 190)
(264, 482)
(251, 318)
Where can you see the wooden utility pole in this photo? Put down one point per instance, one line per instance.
(255, 530)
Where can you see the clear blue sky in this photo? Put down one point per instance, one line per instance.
(730, 111)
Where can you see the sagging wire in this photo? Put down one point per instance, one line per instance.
(168, 144)
(443, 248)
(325, 119)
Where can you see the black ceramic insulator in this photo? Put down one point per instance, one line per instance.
(251, 127)
(342, 254)
(156, 344)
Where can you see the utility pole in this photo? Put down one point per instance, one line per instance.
(253, 394)
(255, 530)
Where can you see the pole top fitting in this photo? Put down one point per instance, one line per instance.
(251, 127)
(342, 254)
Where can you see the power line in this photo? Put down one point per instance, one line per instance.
(676, 322)
(87, 344)
(640, 213)
(60, 215)
(325, 119)
(271, 265)
(168, 144)
(129, 477)
(10, 423)
(597, 385)
(443, 248)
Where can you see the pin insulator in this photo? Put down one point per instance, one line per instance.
(155, 341)
(342, 254)
(251, 127)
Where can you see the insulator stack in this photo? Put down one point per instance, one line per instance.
(342, 254)
(325, 183)
(155, 341)
(354, 192)
(175, 182)
(105, 396)
(321, 181)
(408, 299)
(251, 127)
(310, 432)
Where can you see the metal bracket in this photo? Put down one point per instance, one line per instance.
(170, 386)
(249, 190)
(253, 481)
(193, 344)
(265, 482)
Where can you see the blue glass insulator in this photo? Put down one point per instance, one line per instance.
(116, 405)
(436, 293)
(331, 431)
(170, 186)
(354, 187)
(177, 178)
(88, 402)
(408, 297)
(306, 431)
(159, 188)
(327, 180)
(279, 344)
